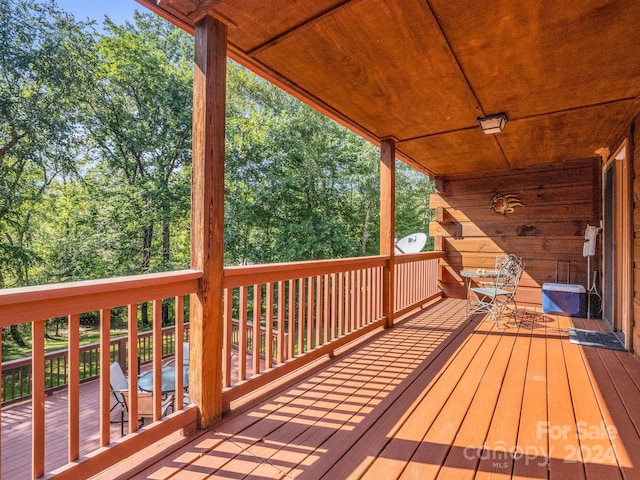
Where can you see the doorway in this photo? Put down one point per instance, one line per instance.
(616, 243)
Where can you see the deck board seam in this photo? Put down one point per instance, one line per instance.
(511, 339)
(394, 332)
(407, 348)
(425, 390)
(425, 367)
(488, 337)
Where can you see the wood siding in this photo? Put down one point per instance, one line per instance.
(560, 200)
(635, 155)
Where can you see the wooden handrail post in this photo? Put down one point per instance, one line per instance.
(388, 225)
(207, 219)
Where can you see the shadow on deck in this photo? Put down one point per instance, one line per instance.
(437, 397)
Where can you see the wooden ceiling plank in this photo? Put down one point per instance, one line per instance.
(290, 30)
(567, 74)
(391, 71)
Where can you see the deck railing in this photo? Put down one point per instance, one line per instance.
(17, 374)
(298, 311)
(416, 279)
(317, 306)
(33, 305)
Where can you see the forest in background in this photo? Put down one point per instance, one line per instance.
(95, 152)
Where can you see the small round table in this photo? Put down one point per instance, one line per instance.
(479, 273)
(145, 381)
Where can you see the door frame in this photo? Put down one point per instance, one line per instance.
(622, 281)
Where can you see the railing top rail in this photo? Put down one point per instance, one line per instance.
(414, 257)
(26, 361)
(26, 304)
(255, 274)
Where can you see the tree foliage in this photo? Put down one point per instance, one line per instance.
(95, 151)
(41, 72)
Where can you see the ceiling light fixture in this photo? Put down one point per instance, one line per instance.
(493, 123)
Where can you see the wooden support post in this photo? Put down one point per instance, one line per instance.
(387, 225)
(207, 222)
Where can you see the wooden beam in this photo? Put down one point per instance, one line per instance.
(387, 224)
(207, 222)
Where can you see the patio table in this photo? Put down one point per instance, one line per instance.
(145, 381)
(479, 273)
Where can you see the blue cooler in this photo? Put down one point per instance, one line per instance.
(564, 299)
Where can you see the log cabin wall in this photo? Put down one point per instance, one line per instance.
(560, 200)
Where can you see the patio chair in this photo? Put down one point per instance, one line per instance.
(499, 260)
(493, 298)
(145, 406)
(118, 382)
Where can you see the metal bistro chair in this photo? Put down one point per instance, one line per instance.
(118, 382)
(494, 297)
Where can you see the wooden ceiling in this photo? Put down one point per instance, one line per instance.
(421, 71)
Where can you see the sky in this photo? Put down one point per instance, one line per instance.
(117, 10)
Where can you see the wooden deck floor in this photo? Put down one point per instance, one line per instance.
(439, 397)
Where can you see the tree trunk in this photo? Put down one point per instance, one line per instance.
(144, 314)
(166, 242)
(147, 237)
(365, 229)
(17, 336)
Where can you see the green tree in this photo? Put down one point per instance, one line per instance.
(292, 184)
(139, 123)
(299, 186)
(41, 74)
(413, 213)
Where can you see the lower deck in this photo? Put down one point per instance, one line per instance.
(438, 396)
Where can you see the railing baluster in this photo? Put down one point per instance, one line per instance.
(227, 331)
(132, 328)
(291, 331)
(105, 408)
(257, 321)
(318, 312)
(179, 353)
(367, 296)
(355, 307)
(74, 388)
(345, 302)
(326, 321)
(301, 322)
(310, 295)
(37, 401)
(242, 336)
(281, 355)
(339, 299)
(157, 359)
(268, 340)
(359, 301)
